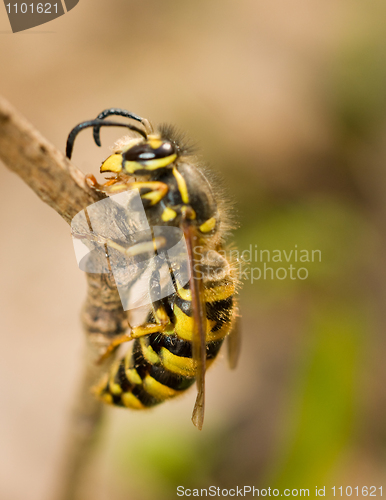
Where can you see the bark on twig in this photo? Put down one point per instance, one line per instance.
(45, 169)
(61, 185)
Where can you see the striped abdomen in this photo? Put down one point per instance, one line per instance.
(161, 365)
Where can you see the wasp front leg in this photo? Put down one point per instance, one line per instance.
(94, 184)
(150, 192)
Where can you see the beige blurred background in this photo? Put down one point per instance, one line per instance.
(287, 101)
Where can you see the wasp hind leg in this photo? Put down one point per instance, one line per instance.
(113, 345)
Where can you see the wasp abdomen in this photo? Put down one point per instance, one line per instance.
(161, 365)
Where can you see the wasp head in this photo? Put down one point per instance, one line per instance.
(142, 156)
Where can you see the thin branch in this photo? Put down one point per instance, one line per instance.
(61, 185)
(45, 169)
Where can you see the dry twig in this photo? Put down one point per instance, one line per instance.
(61, 185)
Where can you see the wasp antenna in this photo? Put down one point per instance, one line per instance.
(119, 112)
(96, 123)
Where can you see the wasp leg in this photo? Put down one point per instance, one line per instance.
(139, 248)
(135, 333)
(159, 317)
(150, 192)
(93, 183)
(234, 341)
(159, 313)
(113, 345)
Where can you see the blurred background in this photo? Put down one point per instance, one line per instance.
(287, 102)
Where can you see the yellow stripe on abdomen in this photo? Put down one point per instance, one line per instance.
(130, 401)
(184, 325)
(158, 390)
(148, 352)
(213, 294)
(178, 364)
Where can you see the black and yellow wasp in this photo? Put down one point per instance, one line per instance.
(184, 330)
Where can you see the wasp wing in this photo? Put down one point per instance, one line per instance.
(234, 341)
(199, 322)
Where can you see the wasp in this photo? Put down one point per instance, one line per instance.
(183, 330)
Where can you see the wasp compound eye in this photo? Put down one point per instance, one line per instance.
(142, 153)
(148, 156)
